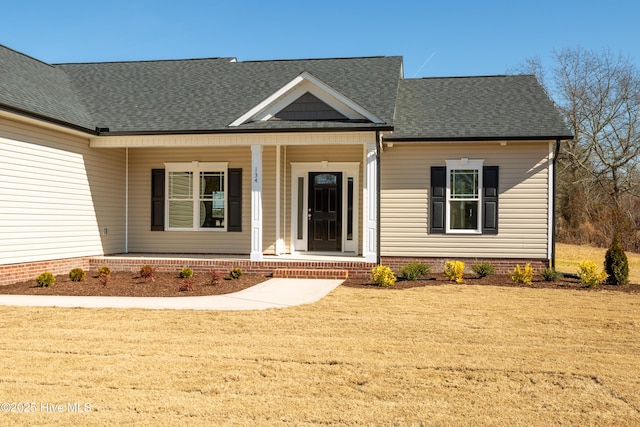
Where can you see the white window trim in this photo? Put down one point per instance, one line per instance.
(196, 167)
(467, 164)
(302, 170)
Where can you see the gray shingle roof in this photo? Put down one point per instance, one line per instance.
(494, 107)
(206, 95)
(40, 89)
(209, 94)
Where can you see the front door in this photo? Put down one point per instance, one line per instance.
(325, 211)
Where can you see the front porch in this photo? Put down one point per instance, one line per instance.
(313, 265)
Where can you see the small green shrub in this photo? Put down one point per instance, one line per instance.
(550, 274)
(413, 270)
(383, 276)
(589, 274)
(77, 275)
(483, 269)
(186, 273)
(454, 270)
(216, 277)
(523, 276)
(147, 272)
(45, 280)
(235, 273)
(616, 264)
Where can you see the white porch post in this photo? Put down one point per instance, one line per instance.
(370, 196)
(256, 203)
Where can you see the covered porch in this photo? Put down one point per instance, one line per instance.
(311, 194)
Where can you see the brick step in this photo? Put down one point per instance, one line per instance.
(310, 273)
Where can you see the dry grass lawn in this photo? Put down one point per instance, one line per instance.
(445, 355)
(570, 256)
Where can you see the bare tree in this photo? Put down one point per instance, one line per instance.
(599, 173)
(599, 94)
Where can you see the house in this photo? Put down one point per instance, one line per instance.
(262, 160)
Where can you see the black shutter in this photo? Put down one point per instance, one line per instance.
(438, 204)
(234, 200)
(157, 199)
(490, 199)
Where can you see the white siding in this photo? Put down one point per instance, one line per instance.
(57, 196)
(523, 201)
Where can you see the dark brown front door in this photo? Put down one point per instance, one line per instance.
(325, 211)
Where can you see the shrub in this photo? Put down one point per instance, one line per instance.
(589, 275)
(454, 270)
(523, 276)
(186, 273)
(187, 285)
(616, 264)
(383, 276)
(45, 280)
(105, 279)
(413, 270)
(236, 273)
(483, 269)
(147, 272)
(104, 275)
(550, 274)
(77, 275)
(104, 271)
(216, 277)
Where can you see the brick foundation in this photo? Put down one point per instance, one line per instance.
(13, 273)
(502, 265)
(306, 269)
(303, 269)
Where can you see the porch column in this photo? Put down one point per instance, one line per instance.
(256, 203)
(369, 237)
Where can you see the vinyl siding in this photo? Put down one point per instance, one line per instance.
(57, 195)
(523, 201)
(142, 239)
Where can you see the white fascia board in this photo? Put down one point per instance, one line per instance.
(305, 82)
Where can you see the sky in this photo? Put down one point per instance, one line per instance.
(443, 38)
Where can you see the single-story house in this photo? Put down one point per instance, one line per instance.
(270, 161)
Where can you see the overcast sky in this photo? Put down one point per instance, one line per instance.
(443, 38)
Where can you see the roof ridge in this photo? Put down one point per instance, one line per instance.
(319, 59)
(487, 76)
(229, 58)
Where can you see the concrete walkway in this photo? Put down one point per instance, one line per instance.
(272, 293)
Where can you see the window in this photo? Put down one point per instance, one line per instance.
(196, 196)
(464, 181)
(464, 198)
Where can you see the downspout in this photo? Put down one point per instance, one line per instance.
(553, 212)
(126, 201)
(378, 175)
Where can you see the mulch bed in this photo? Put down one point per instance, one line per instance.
(168, 285)
(132, 285)
(492, 280)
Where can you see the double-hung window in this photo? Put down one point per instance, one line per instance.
(464, 183)
(464, 198)
(196, 196)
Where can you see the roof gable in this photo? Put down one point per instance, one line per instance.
(310, 108)
(293, 90)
